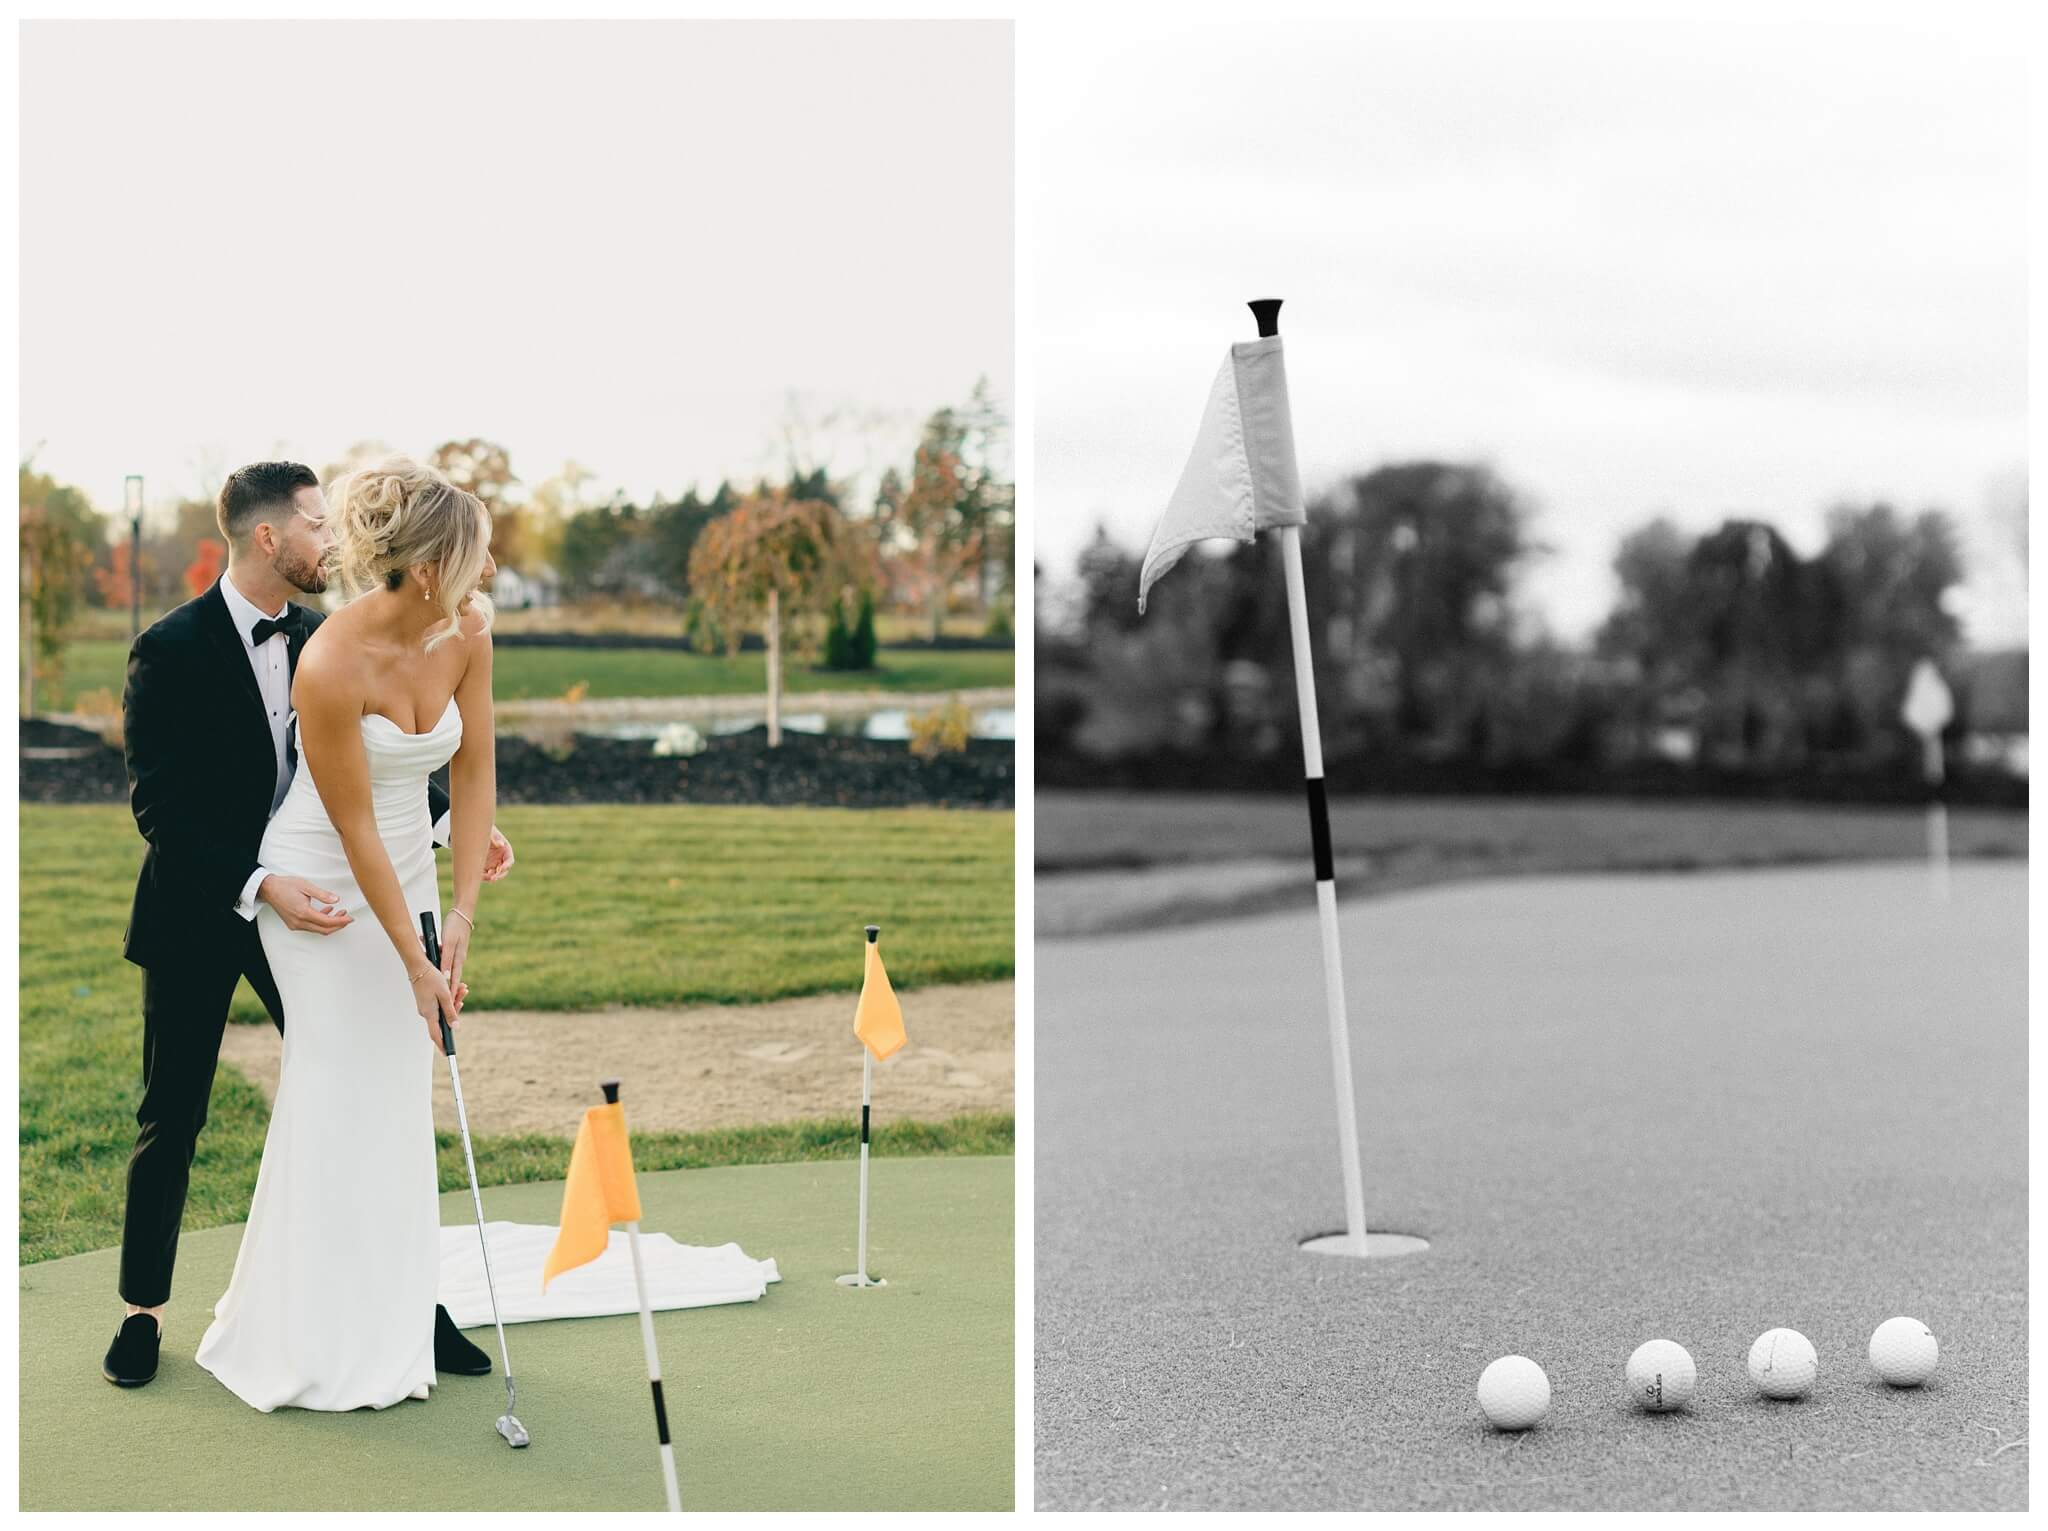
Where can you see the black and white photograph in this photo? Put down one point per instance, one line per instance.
(1530, 734)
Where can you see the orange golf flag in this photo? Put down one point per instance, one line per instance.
(601, 1191)
(878, 1022)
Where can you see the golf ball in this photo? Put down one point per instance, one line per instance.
(1661, 1375)
(1782, 1364)
(1513, 1393)
(1903, 1352)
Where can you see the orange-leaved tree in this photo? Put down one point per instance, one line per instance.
(943, 525)
(205, 566)
(771, 561)
(485, 469)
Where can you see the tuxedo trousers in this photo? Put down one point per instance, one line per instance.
(184, 1012)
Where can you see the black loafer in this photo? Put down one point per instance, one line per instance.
(131, 1359)
(453, 1353)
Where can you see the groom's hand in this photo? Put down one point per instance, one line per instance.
(303, 906)
(498, 858)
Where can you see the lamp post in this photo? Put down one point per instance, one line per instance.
(134, 554)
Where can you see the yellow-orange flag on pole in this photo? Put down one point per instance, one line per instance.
(878, 1020)
(601, 1191)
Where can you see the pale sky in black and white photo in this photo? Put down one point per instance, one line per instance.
(647, 247)
(1639, 265)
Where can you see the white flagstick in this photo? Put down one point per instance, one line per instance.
(859, 1277)
(867, 1084)
(1928, 709)
(668, 1455)
(1355, 1239)
(1326, 892)
(1937, 819)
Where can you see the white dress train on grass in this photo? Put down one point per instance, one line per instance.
(331, 1305)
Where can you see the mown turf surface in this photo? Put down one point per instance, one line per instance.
(644, 905)
(1621, 1107)
(1088, 831)
(1214, 856)
(814, 1398)
(101, 664)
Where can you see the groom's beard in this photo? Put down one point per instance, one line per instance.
(306, 578)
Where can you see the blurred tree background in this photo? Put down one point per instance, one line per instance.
(1729, 661)
(933, 544)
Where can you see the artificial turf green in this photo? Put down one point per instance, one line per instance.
(814, 1398)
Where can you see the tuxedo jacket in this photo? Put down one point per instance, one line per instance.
(201, 775)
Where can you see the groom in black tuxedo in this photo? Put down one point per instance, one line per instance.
(205, 710)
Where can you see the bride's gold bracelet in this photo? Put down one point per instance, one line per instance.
(465, 918)
(422, 973)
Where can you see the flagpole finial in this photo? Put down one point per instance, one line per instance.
(874, 934)
(611, 1091)
(1267, 312)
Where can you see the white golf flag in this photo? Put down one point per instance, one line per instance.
(1240, 479)
(1929, 707)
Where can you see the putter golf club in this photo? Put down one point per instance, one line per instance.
(508, 1422)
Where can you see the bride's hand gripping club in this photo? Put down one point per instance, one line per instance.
(431, 996)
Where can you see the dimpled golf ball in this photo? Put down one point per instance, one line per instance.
(1903, 1352)
(1513, 1393)
(1782, 1364)
(1661, 1375)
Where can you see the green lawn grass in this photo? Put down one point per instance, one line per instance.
(522, 674)
(607, 905)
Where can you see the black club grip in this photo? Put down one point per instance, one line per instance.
(432, 941)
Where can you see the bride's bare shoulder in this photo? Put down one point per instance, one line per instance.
(331, 665)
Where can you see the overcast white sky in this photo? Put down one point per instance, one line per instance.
(1732, 267)
(627, 244)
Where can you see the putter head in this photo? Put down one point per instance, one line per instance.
(512, 1430)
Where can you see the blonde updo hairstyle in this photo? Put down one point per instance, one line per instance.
(397, 516)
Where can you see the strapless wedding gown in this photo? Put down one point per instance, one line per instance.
(331, 1305)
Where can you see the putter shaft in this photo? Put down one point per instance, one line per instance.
(508, 1424)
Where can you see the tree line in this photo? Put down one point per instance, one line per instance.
(937, 538)
(1727, 647)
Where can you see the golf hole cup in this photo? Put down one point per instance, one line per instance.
(1661, 1376)
(1513, 1393)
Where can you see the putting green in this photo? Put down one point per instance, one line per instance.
(817, 1397)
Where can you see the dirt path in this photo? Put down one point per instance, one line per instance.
(710, 1065)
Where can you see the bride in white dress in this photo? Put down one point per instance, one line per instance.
(332, 1302)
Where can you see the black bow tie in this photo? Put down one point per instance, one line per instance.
(268, 627)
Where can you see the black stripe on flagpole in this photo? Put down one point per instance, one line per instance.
(1319, 829)
(863, 1123)
(660, 1411)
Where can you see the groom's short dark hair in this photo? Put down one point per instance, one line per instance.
(261, 487)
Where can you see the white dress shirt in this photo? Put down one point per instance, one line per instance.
(271, 662)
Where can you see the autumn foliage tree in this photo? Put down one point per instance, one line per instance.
(205, 566)
(59, 533)
(116, 580)
(953, 514)
(485, 469)
(774, 561)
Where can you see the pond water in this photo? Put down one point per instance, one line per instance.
(883, 723)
